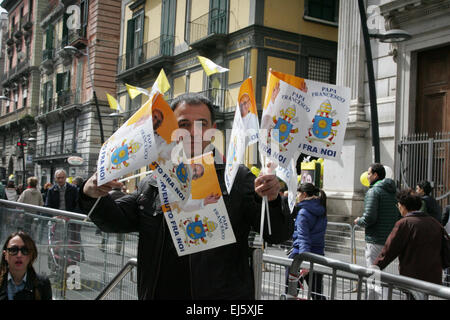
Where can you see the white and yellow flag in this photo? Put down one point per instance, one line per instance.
(210, 67)
(135, 91)
(161, 83)
(245, 131)
(113, 104)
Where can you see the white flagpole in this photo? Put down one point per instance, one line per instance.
(121, 180)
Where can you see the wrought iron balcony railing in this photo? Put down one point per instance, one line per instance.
(214, 22)
(159, 47)
(56, 148)
(47, 54)
(221, 99)
(63, 99)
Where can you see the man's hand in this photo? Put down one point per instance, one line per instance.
(356, 221)
(92, 190)
(267, 185)
(212, 198)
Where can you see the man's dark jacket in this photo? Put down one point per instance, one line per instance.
(219, 273)
(416, 241)
(71, 197)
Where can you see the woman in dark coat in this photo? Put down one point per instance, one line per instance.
(18, 280)
(310, 228)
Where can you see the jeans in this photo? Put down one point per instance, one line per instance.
(374, 292)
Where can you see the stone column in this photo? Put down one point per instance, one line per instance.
(341, 178)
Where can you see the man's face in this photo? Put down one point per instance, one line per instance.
(197, 171)
(244, 105)
(60, 179)
(371, 176)
(196, 119)
(157, 118)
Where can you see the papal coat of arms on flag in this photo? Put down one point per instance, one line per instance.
(121, 154)
(322, 127)
(197, 230)
(285, 127)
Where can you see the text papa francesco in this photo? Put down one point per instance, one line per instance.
(329, 93)
(296, 98)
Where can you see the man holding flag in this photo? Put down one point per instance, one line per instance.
(219, 273)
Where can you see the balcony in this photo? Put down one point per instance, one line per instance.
(47, 60)
(221, 100)
(55, 150)
(64, 99)
(77, 38)
(209, 30)
(151, 55)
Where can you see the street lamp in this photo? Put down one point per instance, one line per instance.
(72, 50)
(391, 36)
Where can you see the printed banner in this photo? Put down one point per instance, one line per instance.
(303, 115)
(289, 176)
(144, 138)
(201, 223)
(245, 131)
(248, 112)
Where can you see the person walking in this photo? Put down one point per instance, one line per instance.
(429, 204)
(416, 240)
(379, 216)
(44, 191)
(219, 273)
(309, 232)
(64, 196)
(18, 279)
(32, 196)
(11, 192)
(2, 190)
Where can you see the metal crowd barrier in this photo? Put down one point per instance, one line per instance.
(398, 287)
(83, 264)
(79, 261)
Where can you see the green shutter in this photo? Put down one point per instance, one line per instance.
(130, 35)
(59, 82)
(49, 38)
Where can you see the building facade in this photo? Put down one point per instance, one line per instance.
(20, 81)
(80, 48)
(246, 36)
(3, 36)
(412, 86)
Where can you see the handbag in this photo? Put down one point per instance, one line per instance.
(445, 249)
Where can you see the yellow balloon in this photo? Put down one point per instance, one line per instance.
(363, 178)
(255, 170)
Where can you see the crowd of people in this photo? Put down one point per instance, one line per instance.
(407, 224)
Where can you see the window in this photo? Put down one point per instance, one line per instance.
(24, 96)
(319, 69)
(48, 52)
(217, 16)
(84, 6)
(47, 95)
(325, 10)
(16, 98)
(65, 31)
(63, 88)
(135, 37)
(168, 26)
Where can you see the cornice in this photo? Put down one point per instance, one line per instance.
(402, 12)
